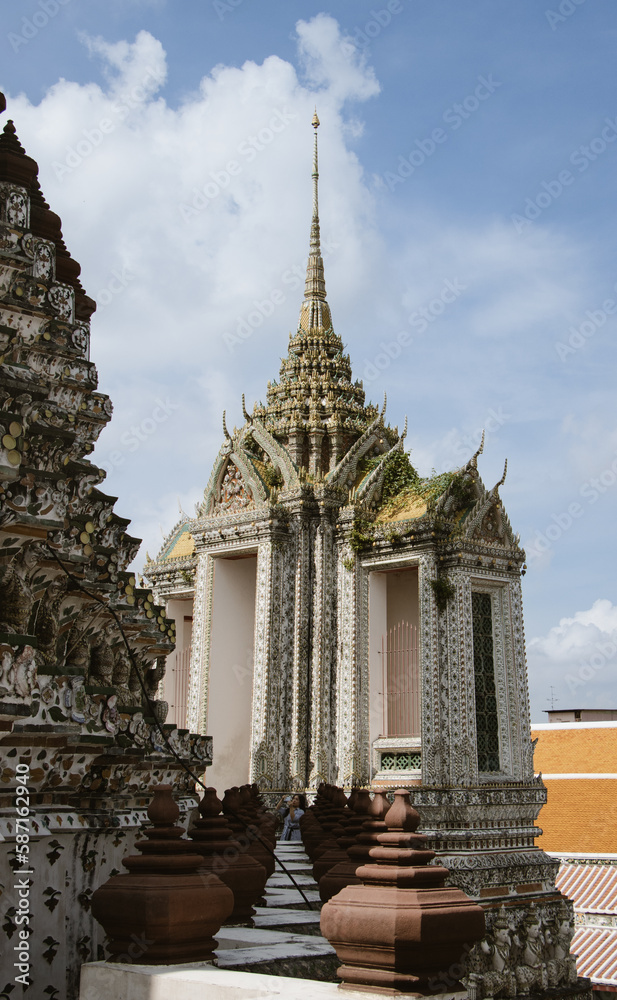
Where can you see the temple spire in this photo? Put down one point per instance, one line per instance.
(315, 313)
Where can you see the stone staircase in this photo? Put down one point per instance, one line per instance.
(286, 940)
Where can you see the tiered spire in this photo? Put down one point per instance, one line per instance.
(315, 312)
(316, 410)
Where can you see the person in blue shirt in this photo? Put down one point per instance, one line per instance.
(291, 826)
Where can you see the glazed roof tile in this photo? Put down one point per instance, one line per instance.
(596, 951)
(592, 888)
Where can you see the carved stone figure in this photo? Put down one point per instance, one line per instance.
(77, 655)
(101, 661)
(531, 973)
(18, 678)
(15, 601)
(120, 676)
(500, 980)
(47, 621)
(561, 967)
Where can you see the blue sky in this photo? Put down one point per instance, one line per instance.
(474, 144)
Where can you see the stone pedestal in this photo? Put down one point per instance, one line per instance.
(344, 873)
(400, 929)
(222, 856)
(163, 901)
(245, 831)
(345, 833)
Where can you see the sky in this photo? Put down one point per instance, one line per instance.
(468, 147)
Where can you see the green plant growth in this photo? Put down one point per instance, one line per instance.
(399, 475)
(272, 476)
(402, 486)
(362, 532)
(443, 590)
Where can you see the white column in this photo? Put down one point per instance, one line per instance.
(197, 710)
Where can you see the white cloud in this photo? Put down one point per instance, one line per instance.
(334, 62)
(578, 658)
(187, 220)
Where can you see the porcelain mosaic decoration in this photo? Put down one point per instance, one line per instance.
(76, 736)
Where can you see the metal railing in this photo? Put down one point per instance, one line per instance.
(178, 671)
(400, 681)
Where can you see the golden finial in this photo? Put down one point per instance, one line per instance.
(315, 122)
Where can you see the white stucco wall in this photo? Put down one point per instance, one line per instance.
(230, 675)
(182, 613)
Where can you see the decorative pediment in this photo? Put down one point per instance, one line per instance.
(234, 494)
(488, 522)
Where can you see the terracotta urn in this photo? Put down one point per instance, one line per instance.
(401, 927)
(223, 856)
(163, 901)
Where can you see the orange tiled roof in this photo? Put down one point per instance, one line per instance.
(580, 816)
(581, 813)
(596, 951)
(576, 749)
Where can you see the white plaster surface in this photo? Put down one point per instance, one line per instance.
(230, 683)
(101, 981)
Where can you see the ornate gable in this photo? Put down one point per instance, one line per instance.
(233, 494)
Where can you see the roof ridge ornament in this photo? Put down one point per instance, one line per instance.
(503, 478)
(246, 415)
(225, 431)
(473, 461)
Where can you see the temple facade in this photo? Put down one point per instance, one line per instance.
(342, 619)
(357, 621)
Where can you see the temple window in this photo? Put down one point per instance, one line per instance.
(487, 722)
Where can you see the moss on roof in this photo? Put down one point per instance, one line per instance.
(407, 495)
